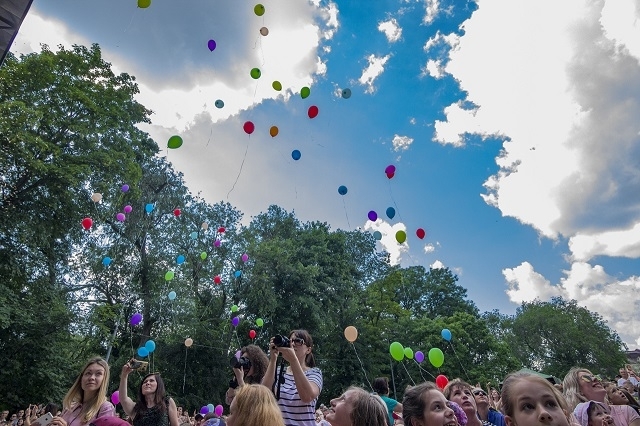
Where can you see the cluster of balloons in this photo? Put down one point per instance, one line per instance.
(209, 408)
(399, 352)
(148, 348)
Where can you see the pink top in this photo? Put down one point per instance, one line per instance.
(73, 416)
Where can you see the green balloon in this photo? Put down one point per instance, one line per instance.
(169, 275)
(174, 142)
(259, 322)
(255, 73)
(258, 9)
(408, 352)
(234, 308)
(143, 4)
(276, 85)
(305, 92)
(401, 236)
(436, 357)
(397, 351)
(203, 255)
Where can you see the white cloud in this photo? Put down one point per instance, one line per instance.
(429, 248)
(388, 241)
(437, 265)
(434, 68)
(401, 143)
(375, 67)
(617, 243)
(391, 30)
(431, 10)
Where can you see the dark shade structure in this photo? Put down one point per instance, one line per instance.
(12, 13)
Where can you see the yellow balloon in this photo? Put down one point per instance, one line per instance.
(188, 342)
(273, 131)
(351, 333)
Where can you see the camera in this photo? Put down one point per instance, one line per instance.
(281, 341)
(242, 362)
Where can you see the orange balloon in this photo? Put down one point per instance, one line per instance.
(273, 131)
(351, 333)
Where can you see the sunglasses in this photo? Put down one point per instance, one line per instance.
(589, 378)
(298, 341)
(479, 392)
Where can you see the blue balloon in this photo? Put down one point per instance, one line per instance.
(148, 208)
(377, 235)
(150, 346)
(391, 212)
(211, 407)
(106, 261)
(342, 190)
(295, 154)
(237, 274)
(142, 351)
(446, 334)
(172, 295)
(180, 259)
(194, 235)
(219, 103)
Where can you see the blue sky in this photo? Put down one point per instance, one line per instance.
(513, 126)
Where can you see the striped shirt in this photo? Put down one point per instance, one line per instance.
(294, 411)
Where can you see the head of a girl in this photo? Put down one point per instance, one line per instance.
(302, 344)
(593, 413)
(617, 396)
(254, 405)
(357, 407)
(424, 405)
(93, 380)
(461, 393)
(581, 385)
(529, 400)
(152, 386)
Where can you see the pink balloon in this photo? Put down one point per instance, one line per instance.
(121, 217)
(218, 410)
(245, 257)
(128, 209)
(115, 397)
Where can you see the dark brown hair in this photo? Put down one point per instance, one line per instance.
(304, 335)
(160, 397)
(381, 386)
(259, 362)
(413, 403)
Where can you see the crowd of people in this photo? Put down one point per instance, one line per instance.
(282, 389)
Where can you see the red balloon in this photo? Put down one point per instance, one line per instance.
(217, 279)
(221, 229)
(390, 175)
(249, 127)
(252, 334)
(177, 212)
(442, 381)
(313, 111)
(87, 222)
(420, 233)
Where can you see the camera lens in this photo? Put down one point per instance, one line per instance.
(281, 341)
(241, 362)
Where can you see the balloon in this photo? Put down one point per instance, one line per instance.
(148, 208)
(237, 274)
(221, 229)
(401, 236)
(346, 93)
(390, 169)
(177, 212)
(390, 175)
(211, 44)
(238, 354)
(142, 351)
(420, 233)
(180, 259)
(436, 357)
(204, 410)
(276, 85)
(342, 190)
(264, 31)
(442, 381)
(143, 4)
(210, 407)
(391, 212)
(235, 321)
(217, 243)
(106, 261)
(125, 188)
(115, 398)
(172, 295)
(188, 342)
(245, 257)
(203, 255)
(252, 334)
(218, 410)
(305, 92)
(313, 111)
(96, 197)
(397, 351)
(273, 131)
(255, 73)
(234, 308)
(408, 352)
(351, 333)
(150, 345)
(174, 142)
(169, 275)
(373, 216)
(204, 226)
(259, 322)
(248, 127)
(135, 319)
(295, 154)
(219, 103)
(258, 9)
(217, 279)
(87, 222)
(419, 356)
(446, 334)
(377, 235)
(128, 209)
(121, 217)
(194, 235)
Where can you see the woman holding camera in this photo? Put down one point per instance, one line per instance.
(298, 386)
(250, 369)
(154, 407)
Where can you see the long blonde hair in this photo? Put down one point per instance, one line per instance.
(75, 395)
(255, 405)
(571, 387)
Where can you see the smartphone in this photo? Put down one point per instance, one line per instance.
(43, 420)
(138, 365)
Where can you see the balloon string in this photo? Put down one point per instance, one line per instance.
(211, 133)
(184, 373)
(361, 366)
(239, 171)
(420, 370)
(345, 212)
(456, 355)
(407, 371)
(426, 371)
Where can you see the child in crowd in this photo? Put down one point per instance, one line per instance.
(593, 413)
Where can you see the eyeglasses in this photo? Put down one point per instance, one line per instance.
(298, 341)
(479, 392)
(589, 378)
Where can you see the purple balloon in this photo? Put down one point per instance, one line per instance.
(136, 318)
(204, 410)
(245, 257)
(125, 188)
(212, 45)
(218, 410)
(373, 216)
(128, 208)
(121, 217)
(235, 321)
(217, 243)
(238, 354)
(419, 356)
